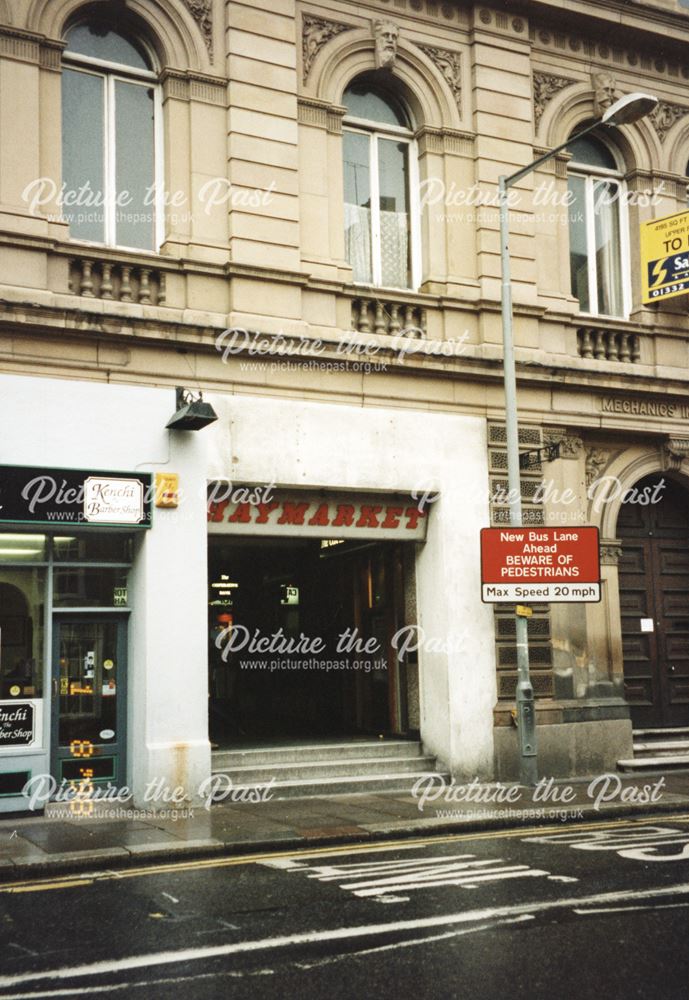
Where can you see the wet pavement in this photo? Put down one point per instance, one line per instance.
(67, 838)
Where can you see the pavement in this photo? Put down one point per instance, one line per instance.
(75, 836)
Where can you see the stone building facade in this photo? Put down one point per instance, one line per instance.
(311, 240)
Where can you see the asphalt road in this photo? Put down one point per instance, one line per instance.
(577, 911)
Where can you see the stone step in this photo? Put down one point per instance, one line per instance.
(364, 785)
(663, 763)
(661, 748)
(646, 735)
(228, 760)
(315, 771)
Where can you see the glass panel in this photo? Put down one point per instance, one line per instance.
(88, 677)
(90, 588)
(606, 206)
(357, 193)
(363, 101)
(394, 212)
(99, 42)
(578, 256)
(22, 595)
(134, 165)
(22, 548)
(591, 152)
(93, 547)
(82, 154)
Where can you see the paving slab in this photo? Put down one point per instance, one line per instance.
(32, 844)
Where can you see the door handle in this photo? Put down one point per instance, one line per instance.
(671, 669)
(54, 687)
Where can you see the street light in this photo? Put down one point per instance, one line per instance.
(627, 109)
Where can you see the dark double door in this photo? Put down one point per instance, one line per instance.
(654, 602)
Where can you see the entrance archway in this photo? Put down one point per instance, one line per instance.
(653, 526)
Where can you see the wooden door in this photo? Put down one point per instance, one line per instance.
(654, 601)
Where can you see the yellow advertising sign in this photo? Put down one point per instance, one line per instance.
(665, 257)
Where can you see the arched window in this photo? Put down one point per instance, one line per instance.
(381, 231)
(109, 108)
(598, 243)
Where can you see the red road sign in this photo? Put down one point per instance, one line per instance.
(541, 565)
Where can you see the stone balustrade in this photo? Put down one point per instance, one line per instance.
(388, 318)
(119, 280)
(607, 344)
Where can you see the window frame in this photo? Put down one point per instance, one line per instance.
(111, 73)
(376, 131)
(590, 175)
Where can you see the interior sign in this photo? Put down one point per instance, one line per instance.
(665, 257)
(542, 565)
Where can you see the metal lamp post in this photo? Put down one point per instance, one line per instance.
(627, 109)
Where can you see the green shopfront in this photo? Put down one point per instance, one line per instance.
(65, 602)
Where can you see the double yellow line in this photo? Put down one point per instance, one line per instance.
(75, 881)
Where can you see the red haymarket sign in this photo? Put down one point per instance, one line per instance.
(318, 515)
(543, 565)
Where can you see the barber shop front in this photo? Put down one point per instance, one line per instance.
(64, 615)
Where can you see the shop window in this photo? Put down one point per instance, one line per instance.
(381, 237)
(87, 587)
(598, 241)
(21, 632)
(20, 548)
(109, 109)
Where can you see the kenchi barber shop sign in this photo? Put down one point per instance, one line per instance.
(30, 495)
(17, 724)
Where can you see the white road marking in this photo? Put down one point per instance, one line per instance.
(627, 841)
(331, 959)
(377, 878)
(624, 909)
(487, 916)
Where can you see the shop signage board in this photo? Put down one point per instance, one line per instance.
(32, 495)
(19, 723)
(296, 513)
(665, 257)
(540, 565)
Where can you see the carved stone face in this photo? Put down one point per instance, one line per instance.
(385, 34)
(604, 86)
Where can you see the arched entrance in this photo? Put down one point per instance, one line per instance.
(654, 602)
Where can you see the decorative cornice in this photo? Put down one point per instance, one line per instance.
(587, 49)
(610, 551)
(664, 116)
(25, 46)
(191, 86)
(444, 140)
(450, 65)
(201, 11)
(315, 32)
(320, 114)
(570, 445)
(596, 460)
(675, 450)
(545, 86)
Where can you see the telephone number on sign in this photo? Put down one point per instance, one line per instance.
(681, 286)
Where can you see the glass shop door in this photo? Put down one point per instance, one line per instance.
(89, 699)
